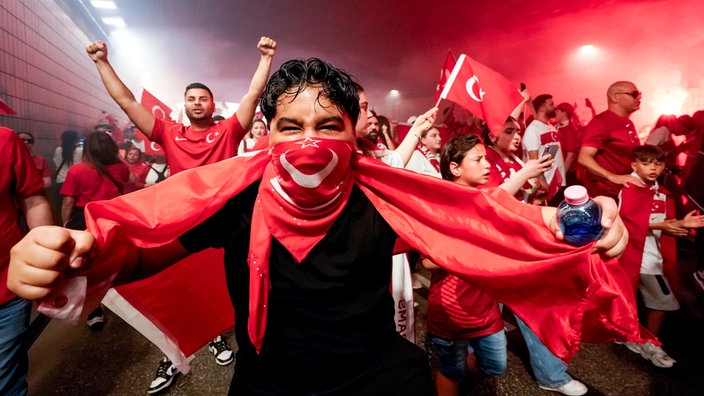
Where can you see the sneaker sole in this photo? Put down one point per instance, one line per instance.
(166, 385)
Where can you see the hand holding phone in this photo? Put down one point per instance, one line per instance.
(551, 150)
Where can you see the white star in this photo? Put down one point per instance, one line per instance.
(308, 142)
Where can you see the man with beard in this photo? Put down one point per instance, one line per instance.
(538, 138)
(309, 228)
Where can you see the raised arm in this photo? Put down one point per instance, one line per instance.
(410, 141)
(248, 103)
(138, 114)
(519, 109)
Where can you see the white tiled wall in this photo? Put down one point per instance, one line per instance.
(45, 74)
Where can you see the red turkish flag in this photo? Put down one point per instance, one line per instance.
(5, 108)
(445, 74)
(161, 111)
(484, 92)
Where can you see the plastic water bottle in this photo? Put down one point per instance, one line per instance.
(579, 217)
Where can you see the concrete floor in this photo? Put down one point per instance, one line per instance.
(118, 361)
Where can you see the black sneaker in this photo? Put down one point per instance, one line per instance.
(165, 375)
(223, 353)
(96, 319)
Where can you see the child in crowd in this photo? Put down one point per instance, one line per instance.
(651, 251)
(462, 321)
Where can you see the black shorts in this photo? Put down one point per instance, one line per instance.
(402, 370)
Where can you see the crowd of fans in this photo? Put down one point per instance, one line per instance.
(534, 161)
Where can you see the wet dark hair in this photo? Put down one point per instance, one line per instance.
(69, 141)
(648, 152)
(101, 151)
(296, 75)
(454, 151)
(197, 85)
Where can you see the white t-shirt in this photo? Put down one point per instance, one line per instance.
(540, 135)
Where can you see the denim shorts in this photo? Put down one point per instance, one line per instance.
(450, 356)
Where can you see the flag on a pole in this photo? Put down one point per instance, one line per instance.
(445, 74)
(484, 92)
(5, 108)
(161, 111)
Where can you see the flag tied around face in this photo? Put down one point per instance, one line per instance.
(5, 108)
(484, 92)
(445, 74)
(160, 111)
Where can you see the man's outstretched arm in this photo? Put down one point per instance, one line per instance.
(248, 103)
(138, 114)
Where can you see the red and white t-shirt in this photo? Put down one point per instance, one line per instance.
(186, 148)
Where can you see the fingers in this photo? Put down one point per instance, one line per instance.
(609, 211)
(43, 257)
(615, 238)
(266, 43)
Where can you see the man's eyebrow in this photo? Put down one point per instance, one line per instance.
(288, 120)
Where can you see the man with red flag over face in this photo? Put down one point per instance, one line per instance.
(309, 228)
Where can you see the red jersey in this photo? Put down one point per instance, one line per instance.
(614, 137)
(42, 165)
(140, 171)
(501, 171)
(84, 183)
(186, 148)
(569, 138)
(458, 310)
(19, 179)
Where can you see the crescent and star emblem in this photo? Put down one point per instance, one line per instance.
(154, 146)
(470, 89)
(208, 139)
(158, 112)
(309, 181)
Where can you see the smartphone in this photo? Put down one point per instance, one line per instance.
(551, 149)
(523, 87)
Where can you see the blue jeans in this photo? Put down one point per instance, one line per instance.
(450, 356)
(549, 370)
(14, 323)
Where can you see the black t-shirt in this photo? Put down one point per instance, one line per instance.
(330, 317)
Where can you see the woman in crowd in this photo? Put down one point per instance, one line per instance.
(258, 130)
(138, 169)
(426, 158)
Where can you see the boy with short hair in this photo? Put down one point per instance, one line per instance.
(649, 252)
(462, 321)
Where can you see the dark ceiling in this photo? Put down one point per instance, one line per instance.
(402, 44)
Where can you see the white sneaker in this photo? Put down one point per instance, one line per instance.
(656, 355)
(635, 348)
(572, 388)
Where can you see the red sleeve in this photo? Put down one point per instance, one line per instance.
(238, 133)
(72, 184)
(595, 134)
(28, 181)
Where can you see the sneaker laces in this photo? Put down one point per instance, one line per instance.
(163, 369)
(220, 346)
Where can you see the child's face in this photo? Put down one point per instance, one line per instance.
(649, 170)
(474, 169)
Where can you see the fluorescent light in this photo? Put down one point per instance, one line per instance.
(106, 4)
(114, 21)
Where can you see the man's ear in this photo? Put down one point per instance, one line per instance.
(633, 166)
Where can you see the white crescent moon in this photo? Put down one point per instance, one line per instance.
(154, 146)
(207, 138)
(309, 181)
(162, 114)
(470, 89)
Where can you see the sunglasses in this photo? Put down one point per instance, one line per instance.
(28, 140)
(633, 94)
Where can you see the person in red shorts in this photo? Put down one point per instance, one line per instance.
(609, 139)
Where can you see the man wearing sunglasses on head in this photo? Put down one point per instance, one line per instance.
(608, 141)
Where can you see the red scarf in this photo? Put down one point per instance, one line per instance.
(566, 294)
(434, 159)
(303, 191)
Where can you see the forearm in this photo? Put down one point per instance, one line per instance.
(407, 146)
(569, 160)
(37, 211)
(388, 141)
(588, 161)
(515, 182)
(248, 103)
(66, 208)
(115, 87)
